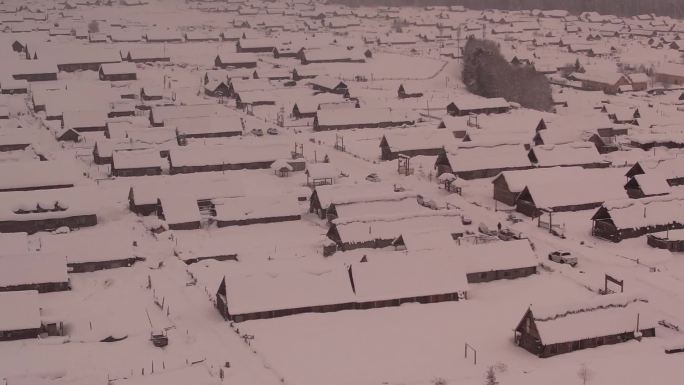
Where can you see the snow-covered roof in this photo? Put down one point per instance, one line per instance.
(246, 208)
(602, 316)
(404, 276)
(123, 68)
(653, 211)
(83, 119)
(362, 116)
(206, 125)
(365, 228)
(417, 240)
(497, 255)
(129, 159)
(418, 139)
(273, 290)
(653, 183)
(361, 192)
(578, 153)
(516, 180)
(28, 175)
(582, 188)
(179, 208)
(32, 269)
(405, 202)
(486, 158)
(322, 171)
(20, 310)
(202, 155)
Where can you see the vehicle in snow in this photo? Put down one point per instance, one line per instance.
(272, 131)
(466, 220)
(563, 257)
(257, 132)
(373, 177)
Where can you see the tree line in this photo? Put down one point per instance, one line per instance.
(673, 8)
(487, 73)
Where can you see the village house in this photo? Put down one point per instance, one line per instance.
(361, 118)
(558, 195)
(583, 154)
(321, 174)
(150, 54)
(236, 60)
(670, 73)
(117, 72)
(248, 211)
(179, 211)
(509, 184)
(136, 163)
(332, 55)
(40, 210)
(606, 320)
(381, 230)
(482, 162)
(647, 185)
(632, 218)
(21, 315)
(413, 144)
(672, 169)
(329, 85)
(37, 175)
(467, 106)
(358, 286)
(255, 45)
(43, 273)
(608, 82)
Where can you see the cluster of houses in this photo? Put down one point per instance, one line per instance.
(296, 67)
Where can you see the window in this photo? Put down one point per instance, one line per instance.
(483, 275)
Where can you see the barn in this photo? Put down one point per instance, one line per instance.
(610, 319)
